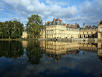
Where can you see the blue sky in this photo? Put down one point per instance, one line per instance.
(70, 11)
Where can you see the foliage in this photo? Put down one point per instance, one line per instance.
(34, 26)
(1, 29)
(11, 29)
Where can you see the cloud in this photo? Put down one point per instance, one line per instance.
(61, 3)
(92, 11)
(45, 9)
(88, 12)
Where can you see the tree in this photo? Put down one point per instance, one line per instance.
(1, 29)
(34, 26)
(17, 29)
(11, 29)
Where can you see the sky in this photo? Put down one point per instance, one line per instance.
(70, 11)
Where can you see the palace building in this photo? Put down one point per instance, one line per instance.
(57, 29)
(100, 29)
(24, 34)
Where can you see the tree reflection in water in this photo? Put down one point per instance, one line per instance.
(34, 52)
(55, 57)
(11, 49)
(58, 58)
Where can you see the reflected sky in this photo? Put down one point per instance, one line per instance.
(48, 58)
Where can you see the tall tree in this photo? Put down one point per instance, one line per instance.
(1, 28)
(34, 26)
(11, 29)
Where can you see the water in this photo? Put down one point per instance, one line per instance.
(50, 59)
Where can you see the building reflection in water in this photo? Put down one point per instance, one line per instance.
(72, 58)
(24, 44)
(57, 49)
(100, 50)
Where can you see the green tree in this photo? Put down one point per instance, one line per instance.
(1, 29)
(11, 29)
(34, 26)
(17, 29)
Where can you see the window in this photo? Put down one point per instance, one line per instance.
(100, 29)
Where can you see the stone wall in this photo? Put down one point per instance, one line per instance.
(60, 31)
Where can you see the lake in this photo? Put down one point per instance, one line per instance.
(50, 59)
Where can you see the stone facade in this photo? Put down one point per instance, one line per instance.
(60, 31)
(57, 29)
(99, 29)
(24, 35)
(88, 33)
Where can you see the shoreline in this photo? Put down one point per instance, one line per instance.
(19, 39)
(63, 39)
